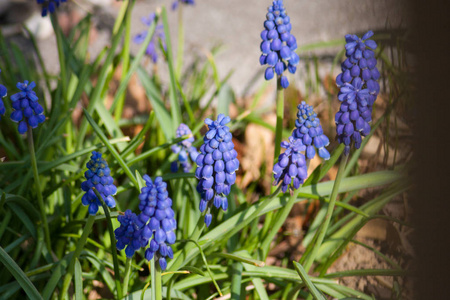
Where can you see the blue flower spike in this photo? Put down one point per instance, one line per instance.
(291, 169)
(129, 234)
(3, 94)
(177, 2)
(159, 221)
(359, 89)
(217, 164)
(26, 110)
(184, 148)
(309, 130)
(98, 176)
(278, 44)
(49, 6)
(153, 44)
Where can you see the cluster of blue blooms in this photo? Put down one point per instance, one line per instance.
(158, 35)
(98, 176)
(129, 234)
(182, 149)
(216, 166)
(3, 93)
(155, 224)
(177, 2)
(278, 44)
(309, 130)
(292, 168)
(49, 6)
(27, 111)
(358, 90)
(158, 216)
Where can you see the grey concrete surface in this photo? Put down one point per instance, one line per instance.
(237, 25)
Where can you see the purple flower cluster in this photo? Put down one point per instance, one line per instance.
(98, 176)
(158, 35)
(309, 130)
(278, 44)
(27, 111)
(182, 149)
(157, 217)
(358, 90)
(291, 166)
(216, 166)
(49, 5)
(3, 93)
(176, 2)
(129, 234)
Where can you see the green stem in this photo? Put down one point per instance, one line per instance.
(80, 245)
(280, 116)
(38, 189)
(125, 60)
(323, 230)
(180, 41)
(157, 286)
(126, 276)
(113, 245)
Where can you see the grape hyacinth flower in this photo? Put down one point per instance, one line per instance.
(177, 2)
(182, 149)
(157, 216)
(278, 44)
(158, 35)
(129, 234)
(309, 130)
(98, 176)
(216, 166)
(27, 111)
(3, 94)
(360, 63)
(358, 91)
(291, 167)
(49, 6)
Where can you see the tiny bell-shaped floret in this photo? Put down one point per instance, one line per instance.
(309, 130)
(291, 168)
(159, 221)
(98, 176)
(184, 149)
(217, 164)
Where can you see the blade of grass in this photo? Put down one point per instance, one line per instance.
(19, 275)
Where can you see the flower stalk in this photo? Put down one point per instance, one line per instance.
(323, 230)
(38, 189)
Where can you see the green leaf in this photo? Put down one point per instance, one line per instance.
(174, 103)
(225, 98)
(19, 275)
(235, 223)
(304, 276)
(78, 281)
(236, 257)
(157, 104)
